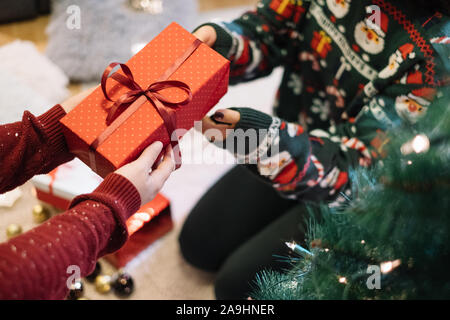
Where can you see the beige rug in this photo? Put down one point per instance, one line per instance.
(159, 272)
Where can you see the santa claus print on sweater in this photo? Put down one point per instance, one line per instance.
(413, 106)
(371, 32)
(352, 69)
(396, 59)
(339, 8)
(272, 166)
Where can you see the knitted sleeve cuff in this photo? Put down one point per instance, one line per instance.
(252, 119)
(224, 40)
(123, 192)
(122, 197)
(53, 130)
(249, 119)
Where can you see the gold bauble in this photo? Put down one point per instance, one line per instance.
(40, 213)
(13, 230)
(103, 283)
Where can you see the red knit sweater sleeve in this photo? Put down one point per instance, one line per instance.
(32, 146)
(35, 265)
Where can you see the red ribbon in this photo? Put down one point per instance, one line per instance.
(130, 101)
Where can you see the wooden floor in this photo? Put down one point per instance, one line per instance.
(34, 30)
(215, 4)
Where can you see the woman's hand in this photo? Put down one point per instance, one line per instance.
(73, 101)
(140, 174)
(207, 34)
(221, 120)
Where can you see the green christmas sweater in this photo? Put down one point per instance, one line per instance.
(352, 70)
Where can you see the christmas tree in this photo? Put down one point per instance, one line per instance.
(392, 239)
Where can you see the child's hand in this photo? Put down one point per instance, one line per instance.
(139, 172)
(207, 34)
(73, 101)
(221, 120)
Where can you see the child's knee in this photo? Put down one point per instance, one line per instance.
(194, 251)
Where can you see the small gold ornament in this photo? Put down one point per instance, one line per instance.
(103, 283)
(13, 230)
(40, 213)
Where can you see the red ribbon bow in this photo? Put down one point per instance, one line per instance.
(163, 105)
(130, 101)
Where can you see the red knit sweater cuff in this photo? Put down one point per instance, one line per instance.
(123, 191)
(53, 130)
(122, 198)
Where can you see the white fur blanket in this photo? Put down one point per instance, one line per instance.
(108, 31)
(28, 81)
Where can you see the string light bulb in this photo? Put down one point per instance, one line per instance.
(343, 280)
(388, 266)
(299, 249)
(419, 144)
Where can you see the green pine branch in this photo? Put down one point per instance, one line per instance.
(399, 214)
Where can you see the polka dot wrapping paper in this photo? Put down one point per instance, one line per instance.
(206, 73)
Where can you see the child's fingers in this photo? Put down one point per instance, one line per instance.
(221, 119)
(215, 127)
(207, 34)
(213, 131)
(227, 117)
(208, 123)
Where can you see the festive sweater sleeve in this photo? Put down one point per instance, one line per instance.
(32, 146)
(256, 42)
(40, 263)
(314, 165)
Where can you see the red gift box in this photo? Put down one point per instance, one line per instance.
(62, 184)
(151, 222)
(172, 82)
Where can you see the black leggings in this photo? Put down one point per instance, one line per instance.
(235, 230)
